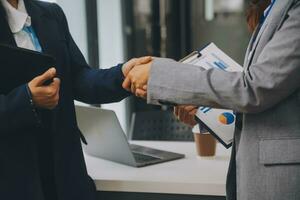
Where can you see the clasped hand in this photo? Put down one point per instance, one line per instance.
(137, 72)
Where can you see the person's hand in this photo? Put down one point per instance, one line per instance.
(186, 114)
(46, 97)
(137, 80)
(127, 67)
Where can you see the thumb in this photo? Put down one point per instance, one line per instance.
(56, 82)
(126, 84)
(50, 74)
(145, 60)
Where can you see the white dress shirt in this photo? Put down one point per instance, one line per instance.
(17, 20)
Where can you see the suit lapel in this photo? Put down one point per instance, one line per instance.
(270, 25)
(46, 30)
(252, 40)
(39, 23)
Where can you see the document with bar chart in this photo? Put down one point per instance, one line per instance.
(219, 122)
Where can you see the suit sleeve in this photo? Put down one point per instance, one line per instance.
(90, 85)
(273, 78)
(16, 111)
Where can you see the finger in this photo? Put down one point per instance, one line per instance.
(53, 88)
(56, 98)
(193, 112)
(190, 115)
(179, 110)
(127, 83)
(128, 66)
(189, 108)
(145, 87)
(141, 93)
(132, 88)
(144, 60)
(176, 110)
(58, 88)
(43, 91)
(40, 80)
(191, 121)
(186, 117)
(56, 83)
(181, 114)
(131, 62)
(53, 102)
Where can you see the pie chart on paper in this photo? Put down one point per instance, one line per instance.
(227, 118)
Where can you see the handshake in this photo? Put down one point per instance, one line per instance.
(137, 72)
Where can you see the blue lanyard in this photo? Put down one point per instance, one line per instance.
(267, 12)
(34, 38)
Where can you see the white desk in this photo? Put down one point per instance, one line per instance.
(192, 175)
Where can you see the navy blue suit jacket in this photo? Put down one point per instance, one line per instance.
(20, 173)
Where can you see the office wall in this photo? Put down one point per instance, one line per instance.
(111, 45)
(76, 15)
(229, 18)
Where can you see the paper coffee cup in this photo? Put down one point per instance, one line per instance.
(206, 144)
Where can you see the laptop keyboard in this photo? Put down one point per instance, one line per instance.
(141, 158)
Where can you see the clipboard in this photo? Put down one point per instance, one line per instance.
(19, 66)
(219, 122)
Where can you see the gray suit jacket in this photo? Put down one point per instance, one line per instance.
(265, 164)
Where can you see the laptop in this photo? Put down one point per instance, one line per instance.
(106, 139)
